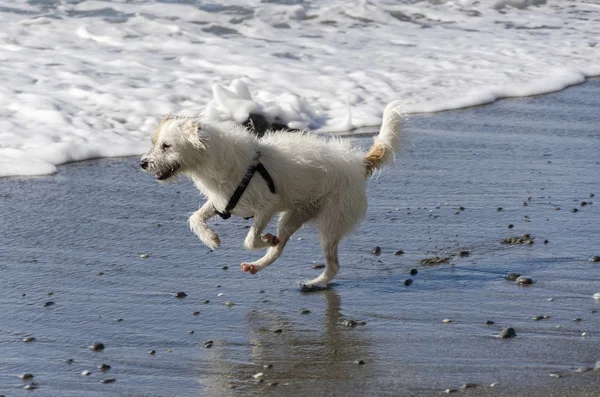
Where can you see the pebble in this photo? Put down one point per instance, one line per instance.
(359, 362)
(26, 376)
(258, 375)
(144, 256)
(152, 352)
(268, 366)
(584, 334)
(511, 276)
(376, 251)
(304, 311)
(69, 361)
(550, 299)
(597, 296)
(408, 282)
(448, 391)
(109, 380)
(595, 258)
(49, 303)
(31, 386)
(494, 384)
(349, 323)
(191, 332)
(413, 272)
(399, 252)
(597, 366)
(104, 367)
(278, 331)
(319, 266)
(229, 303)
(446, 321)
(524, 280)
(208, 344)
(577, 319)
(574, 210)
(273, 383)
(556, 376)
(537, 318)
(180, 294)
(97, 346)
(28, 339)
(196, 313)
(206, 301)
(86, 373)
(489, 322)
(583, 369)
(464, 253)
(225, 267)
(469, 385)
(511, 226)
(507, 333)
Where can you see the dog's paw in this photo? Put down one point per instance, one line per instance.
(249, 267)
(212, 241)
(270, 239)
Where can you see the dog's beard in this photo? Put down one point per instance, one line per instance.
(166, 172)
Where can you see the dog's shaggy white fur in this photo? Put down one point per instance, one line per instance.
(316, 179)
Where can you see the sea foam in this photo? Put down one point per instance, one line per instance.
(88, 79)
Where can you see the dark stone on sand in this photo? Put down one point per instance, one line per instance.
(499, 209)
(28, 339)
(100, 274)
(273, 383)
(489, 322)
(97, 346)
(104, 367)
(461, 208)
(413, 272)
(464, 253)
(524, 239)
(538, 318)
(49, 303)
(278, 331)
(524, 280)
(109, 380)
(469, 386)
(399, 252)
(180, 294)
(349, 323)
(359, 362)
(511, 226)
(26, 376)
(304, 311)
(268, 366)
(512, 276)
(408, 282)
(436, 260)
(208, 344)
(196, 313)
(69, 361)
(225, 267)
(574, 210)
(507, 333)
(191, 332)
(376, 251)
(152, 352)
(546, 241)
(319, 266)
(448, 391)
(595, 258)
(577, 319)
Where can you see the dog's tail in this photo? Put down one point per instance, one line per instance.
(387, 141)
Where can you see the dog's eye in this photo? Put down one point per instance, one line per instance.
(165, 146)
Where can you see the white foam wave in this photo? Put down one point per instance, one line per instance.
(85, 79)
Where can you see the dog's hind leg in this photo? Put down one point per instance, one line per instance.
(254, 240)
(330, 249)
(198, 225)
(289, 222)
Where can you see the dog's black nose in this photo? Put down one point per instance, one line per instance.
(144, 164)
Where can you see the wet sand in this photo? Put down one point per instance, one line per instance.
(79, 239)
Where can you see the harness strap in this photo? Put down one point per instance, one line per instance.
(239, 191)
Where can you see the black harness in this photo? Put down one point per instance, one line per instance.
(256, 166)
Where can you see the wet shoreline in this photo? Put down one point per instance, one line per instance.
(110, 249)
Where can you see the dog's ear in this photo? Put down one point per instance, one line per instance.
(191, 131)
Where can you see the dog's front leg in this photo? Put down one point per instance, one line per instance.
(198, 225)
(254, 240)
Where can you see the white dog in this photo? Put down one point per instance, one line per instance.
(301, 176)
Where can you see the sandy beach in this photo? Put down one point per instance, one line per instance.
(97, 252)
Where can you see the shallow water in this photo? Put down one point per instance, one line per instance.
(78, 235)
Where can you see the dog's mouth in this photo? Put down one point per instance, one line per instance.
(161, 176)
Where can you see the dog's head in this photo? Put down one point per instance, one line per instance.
(175, 145)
